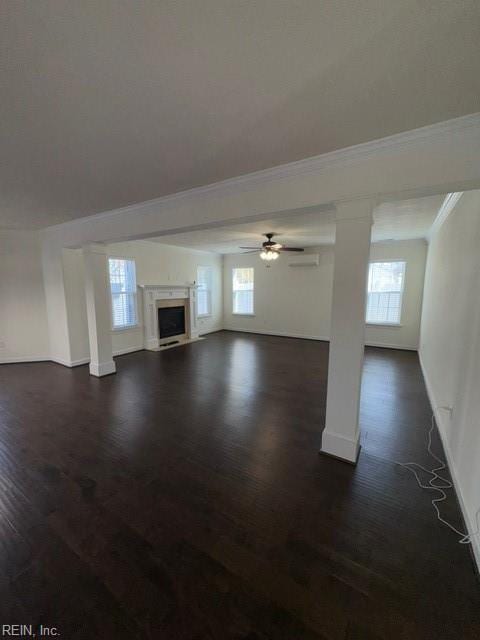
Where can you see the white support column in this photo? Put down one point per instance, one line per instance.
(347, 335)
(97, 290)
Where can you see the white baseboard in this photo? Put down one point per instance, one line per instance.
(140, 347)
(153, 344)
(122, 352)
(383, 345)
(336, 445)
(213, 330)
(65, 363)
(77, 363)
(471, 527)
(280, 334)
(70, 363)
(24, 359)
(305, 336)
(100, 369)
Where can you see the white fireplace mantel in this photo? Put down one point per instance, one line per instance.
(152, 294)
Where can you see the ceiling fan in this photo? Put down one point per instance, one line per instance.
(270, 250)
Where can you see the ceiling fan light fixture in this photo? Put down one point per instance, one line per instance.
(269, 254)
(270, 250)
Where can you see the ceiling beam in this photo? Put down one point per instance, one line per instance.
(436, 159)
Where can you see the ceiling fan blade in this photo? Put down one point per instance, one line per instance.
(291, 249)
(252, 248)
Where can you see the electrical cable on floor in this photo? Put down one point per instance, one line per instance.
(433, 485)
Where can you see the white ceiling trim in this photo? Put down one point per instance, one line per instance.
(315, 164)
(445, 210)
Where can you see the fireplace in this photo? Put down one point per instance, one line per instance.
(171, 321)
(169, 314)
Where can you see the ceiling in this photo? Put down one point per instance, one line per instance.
(108, 103)
(402, 220)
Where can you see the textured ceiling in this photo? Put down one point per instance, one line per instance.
(402, 220)
(107, 103)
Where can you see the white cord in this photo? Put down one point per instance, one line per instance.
(439, 488)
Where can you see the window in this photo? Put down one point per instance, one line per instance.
(242, 287)
(204, 291)
(385, 291)
(123, 287)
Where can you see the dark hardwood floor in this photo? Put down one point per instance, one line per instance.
(185, 498)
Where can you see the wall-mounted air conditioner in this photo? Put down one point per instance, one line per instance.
(305, 260)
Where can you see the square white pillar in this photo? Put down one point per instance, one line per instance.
(347, 335)
(97, 293)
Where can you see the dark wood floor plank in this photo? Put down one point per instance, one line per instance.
(184, 498)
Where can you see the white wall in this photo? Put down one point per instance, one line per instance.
(55, 298)
(414, 252)
(296, 301)
(22, 296)
(450, 345)
(155, 264)
(23, 319)
(74, 285)
(164, 264)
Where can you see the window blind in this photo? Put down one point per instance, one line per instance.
(123, 287)
(242, 290)
(385, 292)
(204, 291)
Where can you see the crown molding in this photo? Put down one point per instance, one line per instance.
(445, 210)
(315, 164)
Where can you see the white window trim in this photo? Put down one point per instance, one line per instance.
(384, 324)
(210, 291)
(130, 327)
(237, 313)
(388, 324)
